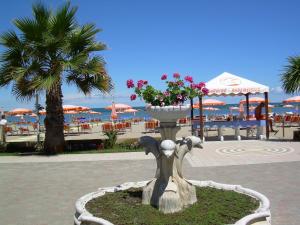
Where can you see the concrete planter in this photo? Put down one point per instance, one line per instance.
(262, 216)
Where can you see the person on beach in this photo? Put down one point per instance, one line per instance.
(3, 121)
(260, 116)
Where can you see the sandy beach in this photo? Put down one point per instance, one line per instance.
(139, 130)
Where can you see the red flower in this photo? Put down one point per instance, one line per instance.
(201, 85)
(189, 79)
(130, 83)
(194, 86)
(140, 84)
(205, 91)
(180, 83)
(166, 93)
(164, 77)
(179, 97)
(133, 97)
(145, 82)
(176, 75)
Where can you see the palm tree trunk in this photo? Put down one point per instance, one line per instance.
(54, 122)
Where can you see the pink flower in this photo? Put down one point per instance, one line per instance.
(164, 77)
(201, 85)
(180, 83)
(166, 93)
(176, 75)
(145, 82)
(179, 97)
(140, 84)
(133, 97)
(205, 91)
(130, 83)
(194, 86)
(189, 79)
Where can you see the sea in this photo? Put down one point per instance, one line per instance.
(105, 114)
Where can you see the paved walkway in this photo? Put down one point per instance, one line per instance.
(44, 193)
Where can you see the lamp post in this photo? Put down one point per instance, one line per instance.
(37, 110)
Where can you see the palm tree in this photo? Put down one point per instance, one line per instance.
(291, 76)
(50, 49)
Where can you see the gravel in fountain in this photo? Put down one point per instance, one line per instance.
(214, 207)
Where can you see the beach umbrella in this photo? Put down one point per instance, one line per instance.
(295, 99)
(113, 114)
(20, 111)
(42, 112)
(94, 112)
(209, 102)
(118, 106)
(234, 108)
(84, 109)
(71, 112)
(71, 108)
(210, 109)
(288, 106)
(130, 110)
(253, 100)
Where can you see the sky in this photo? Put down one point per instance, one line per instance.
(203, 39)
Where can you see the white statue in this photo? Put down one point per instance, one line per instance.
(169, 191)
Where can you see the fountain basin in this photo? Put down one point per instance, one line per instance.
(261, 216)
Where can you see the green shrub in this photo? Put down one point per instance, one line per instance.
(112, 139)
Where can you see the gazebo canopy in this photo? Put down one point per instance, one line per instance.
(229, 84)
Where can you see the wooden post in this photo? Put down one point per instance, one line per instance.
(201, 118)
(192, 109)
(267, 114)
(192, 115)
(247, 106)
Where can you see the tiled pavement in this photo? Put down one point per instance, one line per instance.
(44, 193)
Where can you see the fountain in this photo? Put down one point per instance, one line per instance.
(169, 191)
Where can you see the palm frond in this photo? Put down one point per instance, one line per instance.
(63, 21)
(291, 76)
(91, 75)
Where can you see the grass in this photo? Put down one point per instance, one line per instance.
(214, 207)
(113, 150)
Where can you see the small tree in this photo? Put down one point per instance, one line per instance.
(50, 49)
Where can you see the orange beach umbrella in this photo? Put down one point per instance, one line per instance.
(295, 99)
(19, 111)
(210, 102)
(253, 100)
(118, 106)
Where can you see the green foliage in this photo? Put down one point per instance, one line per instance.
(214, 207)
(291, 76)
(3, 147)
(50, 48)
(112, 139)
(177, 91)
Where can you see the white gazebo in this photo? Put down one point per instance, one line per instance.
(227, 84)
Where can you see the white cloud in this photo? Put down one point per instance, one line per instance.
(277, 90)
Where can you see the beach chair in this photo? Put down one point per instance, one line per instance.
(128, 125)
(120, 127)
(24, 130)
(107, 127)
(182, 121)
(67, 128)
(9, 130)
(85, 128)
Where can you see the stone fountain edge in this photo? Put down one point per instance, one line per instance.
(262, 213)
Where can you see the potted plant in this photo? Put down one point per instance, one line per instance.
(168, 105)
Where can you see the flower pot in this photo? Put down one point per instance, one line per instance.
(168, 114)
